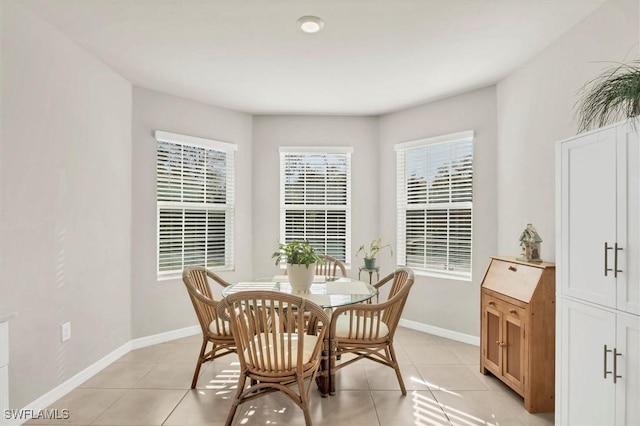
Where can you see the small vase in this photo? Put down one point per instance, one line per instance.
(301, 277)
(370, 263)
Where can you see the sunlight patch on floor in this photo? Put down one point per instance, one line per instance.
(426, 411)
(252, 412)
(226, 379)
(433, 386)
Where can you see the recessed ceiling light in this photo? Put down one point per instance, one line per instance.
(310, 24)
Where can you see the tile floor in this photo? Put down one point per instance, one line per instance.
(151, 386)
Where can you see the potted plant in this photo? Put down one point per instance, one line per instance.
(370, 254)
(301, 261)
(612, 96)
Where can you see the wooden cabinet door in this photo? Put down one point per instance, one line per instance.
(586, 396)
(492, 336)
(628, 367)
(628, 225)
(513, 349)
(588, 217)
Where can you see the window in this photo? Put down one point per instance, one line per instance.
(315, 198)
(195, 193)
(435, 209)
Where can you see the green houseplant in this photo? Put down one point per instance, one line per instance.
(301, 261)
(370, 253)
(612, 96)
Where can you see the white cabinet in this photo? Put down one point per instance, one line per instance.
(598, 195)
(600, 368)
(599, 218)
(628, 367)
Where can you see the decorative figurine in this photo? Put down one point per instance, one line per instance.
(530, 243)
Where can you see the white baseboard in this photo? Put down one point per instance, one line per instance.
(70, 384)
(61, 390)
(442, 332)
(168, 336)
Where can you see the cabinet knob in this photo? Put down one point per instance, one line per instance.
(513, 311)
(512, 268)
(492, 303)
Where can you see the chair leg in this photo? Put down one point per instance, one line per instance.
(236, 400)
(307, 416)
(396, 367)
(199, 364)
(304, 401)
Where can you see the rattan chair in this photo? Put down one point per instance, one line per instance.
(367, 330)
(396, 279)
(276, 351)
(330, 267)
(214, 330)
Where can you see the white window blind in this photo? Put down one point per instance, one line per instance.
(195, 199)
(435, 204)
(315, 198)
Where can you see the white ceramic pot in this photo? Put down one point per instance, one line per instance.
(301, 277)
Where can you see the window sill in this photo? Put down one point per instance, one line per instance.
(442, 275)
(178, 275)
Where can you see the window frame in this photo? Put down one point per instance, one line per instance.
(347, 207)
(402, 151)
(228, 149)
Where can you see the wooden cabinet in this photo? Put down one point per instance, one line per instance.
(598, 357)
(517, 338)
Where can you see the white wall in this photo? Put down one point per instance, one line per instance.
(449, 304)
(66, 197)
(535, 109)
(160, 306)
(271, 132)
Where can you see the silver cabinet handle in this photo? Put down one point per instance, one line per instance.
(606, 256)
(615, 260)
(605, 361)
(616, 354)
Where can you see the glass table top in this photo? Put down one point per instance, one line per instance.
(327, 292)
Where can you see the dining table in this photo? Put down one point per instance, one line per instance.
(326, 292)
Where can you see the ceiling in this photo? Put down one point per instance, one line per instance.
(372, 57)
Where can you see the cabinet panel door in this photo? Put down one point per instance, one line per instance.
(517, 280)
(628, 223)
(513, 355)
(628, 366)
(587, 398)
(492, 339)
(588, 217)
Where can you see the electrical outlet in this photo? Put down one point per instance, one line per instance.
(65, 331)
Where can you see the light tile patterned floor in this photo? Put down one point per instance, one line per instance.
(150, 386)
